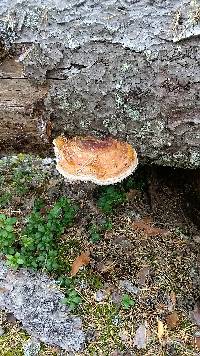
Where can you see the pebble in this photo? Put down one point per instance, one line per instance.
(116, 297)
(196, 239)
(1, 331)
(31, 347)
(47, 161)
(100, 295)
(116, 320)
(128, 286)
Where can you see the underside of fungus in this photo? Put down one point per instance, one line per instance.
(102, 161)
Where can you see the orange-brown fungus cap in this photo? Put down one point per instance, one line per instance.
(102, 161)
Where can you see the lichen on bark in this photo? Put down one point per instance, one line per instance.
(123, 68)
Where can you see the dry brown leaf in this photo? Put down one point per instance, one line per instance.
(145, 225)
(2, 290)
(172, 320)
(142, 275)
(82, 260)
(140, 338)
(160, 330)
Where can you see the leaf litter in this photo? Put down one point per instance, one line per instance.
(172, 320)
(146, 225)
(82, 260)
(163, 273)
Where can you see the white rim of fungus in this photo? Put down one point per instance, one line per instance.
(92, 178)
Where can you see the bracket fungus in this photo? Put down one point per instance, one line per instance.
(101, 161)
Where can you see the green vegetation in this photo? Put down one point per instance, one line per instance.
(18, 176)
(110, 197)
(72, 299)
(127, 302)
(39, 238)
(107, 321)
(7, 235)
(36, 245)
(138, 183)
(96, 231)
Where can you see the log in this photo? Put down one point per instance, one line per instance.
(125, 68)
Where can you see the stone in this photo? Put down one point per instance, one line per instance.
(128, 286)
(1, 331)
(100, 295)
(35, 300)
(116, 297)
(31, 348)
(196, 239)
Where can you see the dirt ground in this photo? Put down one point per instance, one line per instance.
(140, 291)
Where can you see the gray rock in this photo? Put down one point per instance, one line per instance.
(100, 295)
(116, 298)
(1, 331)
(35, 300)
(128, 286)
(31, 348)
(196, 239)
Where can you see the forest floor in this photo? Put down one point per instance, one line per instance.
(137, 289)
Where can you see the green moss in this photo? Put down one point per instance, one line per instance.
(108, 332)
(11, 343)
(96, 231)
(110, 197)
(94, 281)
(19, 176)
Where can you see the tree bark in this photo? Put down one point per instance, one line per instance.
(125, 68)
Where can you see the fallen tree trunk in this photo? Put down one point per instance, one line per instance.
(124, 68)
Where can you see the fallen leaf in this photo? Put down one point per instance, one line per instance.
(195, 314)
(146, 225)
(160, 330)
(140, 338)
(172, 320)
(142, 275)
(2, 290)
(82, 260)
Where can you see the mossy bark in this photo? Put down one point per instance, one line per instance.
(123, 68)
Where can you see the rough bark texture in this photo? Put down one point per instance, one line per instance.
(126, 68)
